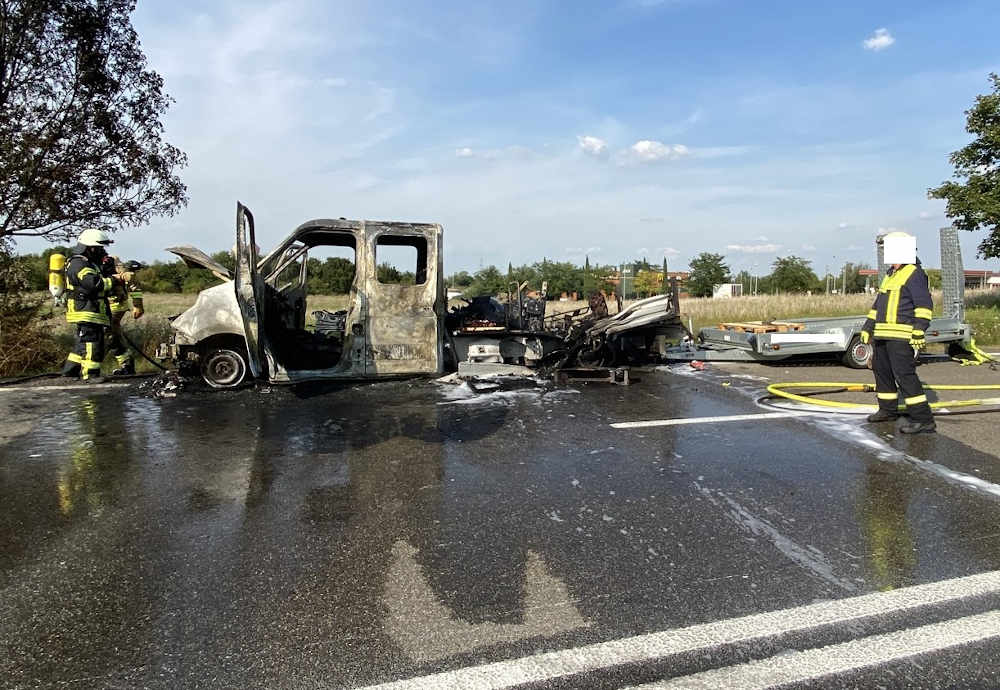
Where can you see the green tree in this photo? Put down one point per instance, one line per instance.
(974, 201)
(487, 281)
(81, 142)
(648, 283)
(792, 274)
(562, 276)
(707, 271)
(460, 279)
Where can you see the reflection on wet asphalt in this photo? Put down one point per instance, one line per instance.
(341, 537)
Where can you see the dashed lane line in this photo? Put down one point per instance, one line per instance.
(703, 638)
(867, 652)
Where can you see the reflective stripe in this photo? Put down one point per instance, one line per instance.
(75, 358)
(891, 336)
(122, 359)
(872, 314)
(887, 396)
(86, 271)
(915, 400)
(923, 313)
(917, 334)
(109, 283)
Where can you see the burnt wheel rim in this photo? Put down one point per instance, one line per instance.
(223, 369)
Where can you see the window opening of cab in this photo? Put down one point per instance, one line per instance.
(401, 259)
(288, 273)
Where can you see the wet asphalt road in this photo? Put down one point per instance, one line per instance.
(344, 537)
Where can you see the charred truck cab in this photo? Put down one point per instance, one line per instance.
(254, 324)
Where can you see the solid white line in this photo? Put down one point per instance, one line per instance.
(842, 658)
(708, 420)
(644, 648)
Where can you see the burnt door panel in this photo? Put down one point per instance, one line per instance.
(405, 308)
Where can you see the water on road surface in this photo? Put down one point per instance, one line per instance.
(357, 535)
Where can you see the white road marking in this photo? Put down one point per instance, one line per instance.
(840, 658)
(539, 668)
(709, 420)
(94, 388)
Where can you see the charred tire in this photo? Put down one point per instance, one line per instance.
(857, 354)
(223, 367)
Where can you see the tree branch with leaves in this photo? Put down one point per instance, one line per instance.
(81, 141)
(974, 200)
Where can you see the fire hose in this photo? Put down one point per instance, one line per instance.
(809, 397)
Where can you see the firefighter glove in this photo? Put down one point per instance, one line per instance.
(918, 342)
(125, 277)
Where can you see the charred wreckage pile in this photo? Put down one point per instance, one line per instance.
(516, 337)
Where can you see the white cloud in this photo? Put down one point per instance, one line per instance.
(592, 145)
(649, 151)
(924, 215)
(844, 226)
(762, 238)
(653, 219)
(753, 248)
(335, 82)
(880, 40)
(464, 152)
(808, 248)
(641, 251)
(669, 251)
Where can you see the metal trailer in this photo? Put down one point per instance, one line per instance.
(835, 336)
(840, 337)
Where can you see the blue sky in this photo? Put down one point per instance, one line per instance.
(559, 129)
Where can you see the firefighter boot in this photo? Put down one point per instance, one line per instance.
(918, 427)
(882, 416)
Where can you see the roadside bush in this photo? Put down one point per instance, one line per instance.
(25, 344)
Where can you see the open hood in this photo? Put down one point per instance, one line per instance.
(195, 258)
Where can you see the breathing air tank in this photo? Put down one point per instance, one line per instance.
(57, 278)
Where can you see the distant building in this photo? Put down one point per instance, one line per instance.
(980, 280)
(727, 290)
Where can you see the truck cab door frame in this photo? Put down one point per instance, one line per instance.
(249, 290)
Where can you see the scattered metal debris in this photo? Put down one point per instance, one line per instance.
(166, 385)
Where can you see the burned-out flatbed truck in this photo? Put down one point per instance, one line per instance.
(253, 325)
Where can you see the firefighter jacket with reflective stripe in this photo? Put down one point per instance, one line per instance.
(120, 295)
(903, 306)
(87, 301)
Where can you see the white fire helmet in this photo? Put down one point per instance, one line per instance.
(92, 237)
(899, 248)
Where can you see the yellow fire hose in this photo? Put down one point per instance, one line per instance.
(779, 390)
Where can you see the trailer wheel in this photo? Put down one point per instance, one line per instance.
(858, 354)
(223, 367)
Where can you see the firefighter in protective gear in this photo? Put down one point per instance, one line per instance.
(87, 306)
(118, 300)
(895, 326)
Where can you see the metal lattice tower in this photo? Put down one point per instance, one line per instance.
(952, 275)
